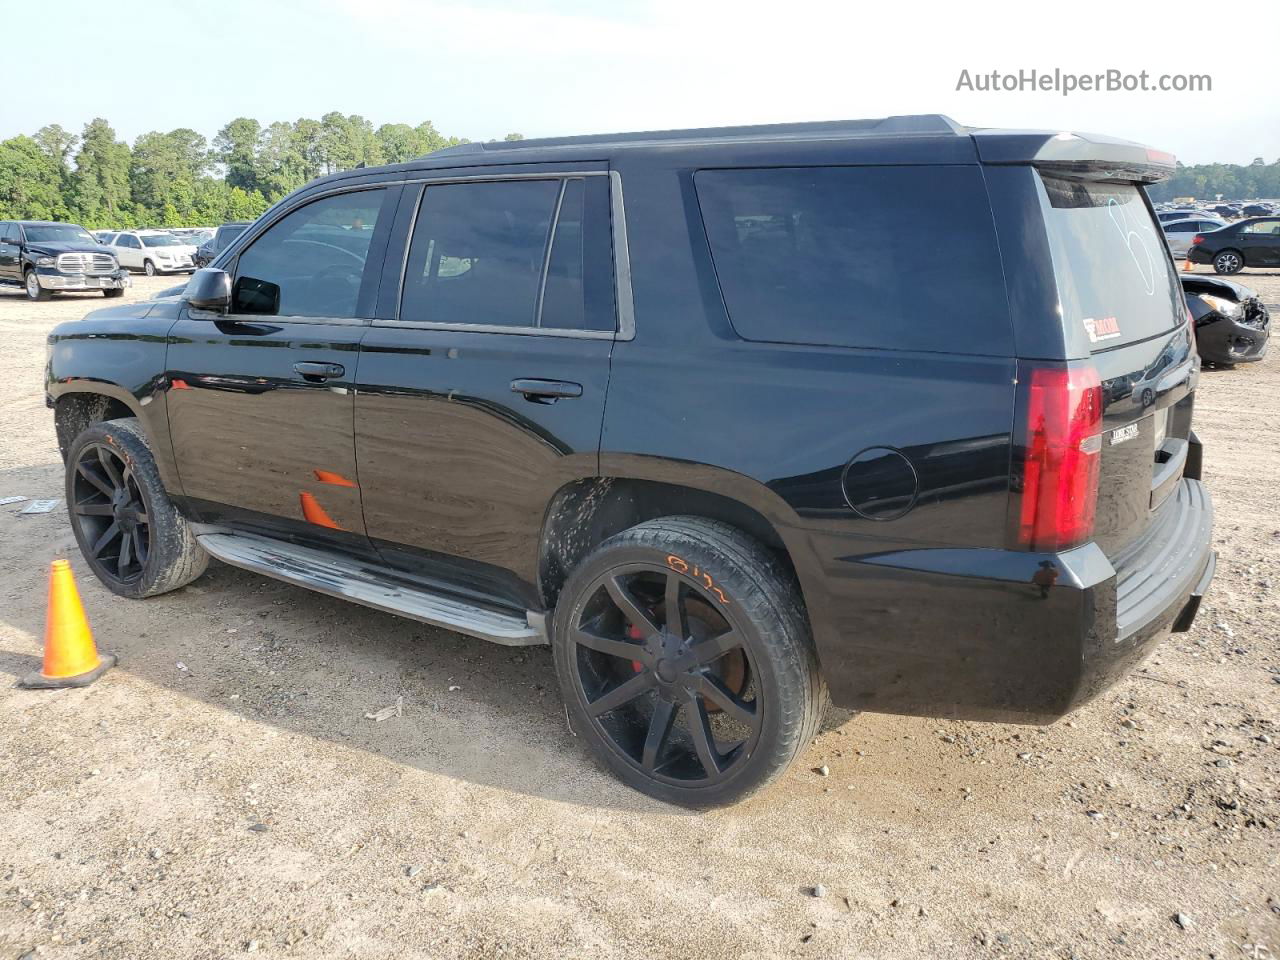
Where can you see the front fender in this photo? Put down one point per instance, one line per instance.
(118, 353)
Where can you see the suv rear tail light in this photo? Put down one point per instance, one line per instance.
(1198, 238)
(1063, 411)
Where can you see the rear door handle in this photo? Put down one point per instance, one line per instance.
(546, 391)
(315, 370)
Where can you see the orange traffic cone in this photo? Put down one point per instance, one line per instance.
(70, 657)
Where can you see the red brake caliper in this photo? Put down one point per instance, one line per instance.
(634, 633)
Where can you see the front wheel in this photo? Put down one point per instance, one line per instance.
(149, 269)
(1228, 262)
(133, 538)
(685, 660)
(118, 292)
(33, 288)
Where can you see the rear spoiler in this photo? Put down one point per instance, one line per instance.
(1079, 156)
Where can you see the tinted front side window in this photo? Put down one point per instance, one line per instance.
(310, 263)
(901, 258)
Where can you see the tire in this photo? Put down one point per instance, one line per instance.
(112, 294)
(149, 268)
(31, 284)
(1228, 262)
(741, 669)
(112, 482)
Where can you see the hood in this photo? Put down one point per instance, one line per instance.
(1218, 287)
(53, 248)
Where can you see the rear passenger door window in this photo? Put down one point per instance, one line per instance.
(511, 254)
(891, 257)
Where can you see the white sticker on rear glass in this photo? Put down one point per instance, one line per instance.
(1107, 328)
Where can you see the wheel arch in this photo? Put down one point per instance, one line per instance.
(76, 408)
(585, 512)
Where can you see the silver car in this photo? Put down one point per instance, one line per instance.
(1180, 233)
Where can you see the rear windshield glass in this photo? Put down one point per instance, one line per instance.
(1114, 273)
(893, 258)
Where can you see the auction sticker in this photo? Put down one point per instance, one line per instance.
(1107, 328)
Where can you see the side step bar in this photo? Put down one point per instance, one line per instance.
(370, 585)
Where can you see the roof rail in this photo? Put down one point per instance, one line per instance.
(932, 123)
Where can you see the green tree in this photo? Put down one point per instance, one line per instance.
(236, 147)
(100, 187)
(57, 143)
(31, 182)
(513, 136)
(347, 142)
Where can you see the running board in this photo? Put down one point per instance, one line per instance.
(370, 585)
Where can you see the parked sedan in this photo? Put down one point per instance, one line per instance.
(1245, 243)
(152, 252)
(1232, 325)
(1179, 233)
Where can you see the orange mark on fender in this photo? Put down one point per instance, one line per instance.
(179, 384)
(312, 512)
(336, 479)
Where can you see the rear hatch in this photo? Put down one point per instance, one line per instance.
(1118, 287)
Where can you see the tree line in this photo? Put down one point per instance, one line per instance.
(1234, 181)
(179, 179)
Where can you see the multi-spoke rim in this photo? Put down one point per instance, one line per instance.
(665, 676)
(110, 513)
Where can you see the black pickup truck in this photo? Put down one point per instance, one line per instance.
(897, 410)
(45, 258)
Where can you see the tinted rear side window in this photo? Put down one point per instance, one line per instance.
(900, 258)
(1113, 269)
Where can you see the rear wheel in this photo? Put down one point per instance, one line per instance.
(133, 538)
(685, 661)
(31, 282)
(1228, 262)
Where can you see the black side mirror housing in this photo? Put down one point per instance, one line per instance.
(209, 289)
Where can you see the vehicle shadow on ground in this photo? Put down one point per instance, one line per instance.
(314, 665)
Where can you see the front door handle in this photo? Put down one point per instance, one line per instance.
(317, 371)
(546, 391)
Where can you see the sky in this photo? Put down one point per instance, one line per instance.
(485, 69)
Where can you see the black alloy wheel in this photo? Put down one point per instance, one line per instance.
(686, 662)
(110, 512)
(665, 677)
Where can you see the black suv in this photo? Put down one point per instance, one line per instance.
(220, 240)
(895, 409)
(45, 258)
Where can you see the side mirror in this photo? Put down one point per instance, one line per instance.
(209, 289)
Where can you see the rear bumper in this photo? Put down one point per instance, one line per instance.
(1004, 635)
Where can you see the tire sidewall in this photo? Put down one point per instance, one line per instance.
(164, 521)
(768, 754)
(26, 286)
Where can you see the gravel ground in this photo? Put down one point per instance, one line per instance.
(221, 793)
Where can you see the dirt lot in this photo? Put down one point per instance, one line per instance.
(221, 792)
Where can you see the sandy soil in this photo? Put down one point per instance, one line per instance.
(221, 792)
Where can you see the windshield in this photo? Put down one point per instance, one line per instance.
(1114, 273)
(160, 240)
(57, 233)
